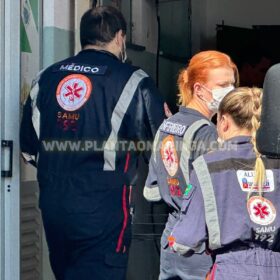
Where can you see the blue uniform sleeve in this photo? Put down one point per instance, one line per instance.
(205, 140)
(29, 142)
(154, 105)
(189, 234)
(153, 112)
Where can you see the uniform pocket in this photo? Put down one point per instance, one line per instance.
(172, 220)
(164, 238)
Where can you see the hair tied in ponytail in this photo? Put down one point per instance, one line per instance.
(185, 76)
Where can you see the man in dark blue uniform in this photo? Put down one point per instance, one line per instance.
(81, 126)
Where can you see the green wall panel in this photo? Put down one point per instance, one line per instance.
(58, 44)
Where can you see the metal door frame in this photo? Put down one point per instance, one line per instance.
(9, 130)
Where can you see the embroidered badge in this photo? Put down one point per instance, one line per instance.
(173, 181)
(171, 240)
(174, 187)
(246, 181)
(80, 68)
(261, 210)
(188, 189)
(169, 155)
(173, 128)
(73, 92)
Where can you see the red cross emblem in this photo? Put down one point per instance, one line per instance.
(169, 155)
(261, 210)
(73, 92)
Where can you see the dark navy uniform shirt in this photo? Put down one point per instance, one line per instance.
(84, 115)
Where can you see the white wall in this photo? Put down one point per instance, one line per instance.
(241, 13)
(56, 13)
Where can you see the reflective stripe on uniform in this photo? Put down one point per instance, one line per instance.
(152, 193)
(156, 140)
(187, 145)
(210, 205)
(117, 118)
(35, 111)
(183, 249)
(28, 157)
(180, 248)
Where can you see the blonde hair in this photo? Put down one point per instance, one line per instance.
(244, 106)
(198, 69)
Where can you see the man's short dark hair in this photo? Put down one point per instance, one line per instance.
(100, 25)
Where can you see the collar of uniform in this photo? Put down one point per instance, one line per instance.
(186, 110)
(99, 51)
(239, 140)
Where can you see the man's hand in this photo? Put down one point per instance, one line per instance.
(167, 110)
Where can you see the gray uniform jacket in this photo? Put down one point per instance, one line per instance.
(179, 140)
(217, 208)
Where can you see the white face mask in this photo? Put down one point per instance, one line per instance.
(218, 94)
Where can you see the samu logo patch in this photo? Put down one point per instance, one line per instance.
(73, 92)
(261, 210)
(169, 155)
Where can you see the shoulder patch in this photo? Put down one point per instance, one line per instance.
(169, 155)
(261, 210)
(173, 128)
(80, 68)
(246, 181)
(174, 187)
(187, 197)
(189, 191)
(73, 92)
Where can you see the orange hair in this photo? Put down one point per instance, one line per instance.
(197, 71)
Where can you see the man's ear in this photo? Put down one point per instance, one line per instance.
(119, 37)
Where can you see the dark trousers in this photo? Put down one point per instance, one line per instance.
(87, 230)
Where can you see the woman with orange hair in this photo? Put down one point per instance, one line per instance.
(181, 138)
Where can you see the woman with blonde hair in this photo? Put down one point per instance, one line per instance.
(209, 76)
(233, 198)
